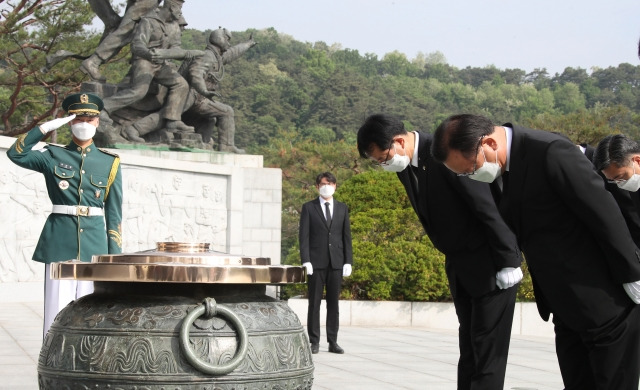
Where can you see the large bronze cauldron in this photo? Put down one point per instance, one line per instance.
(177, 318)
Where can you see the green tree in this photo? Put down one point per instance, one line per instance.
(568, 98)
(571, 75)
(395, 64)
(585, 126)
(393, 258)
(29, 31)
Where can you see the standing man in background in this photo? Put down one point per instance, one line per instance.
(85, 186)
(482, 259)
(325, 251)
(584, 264)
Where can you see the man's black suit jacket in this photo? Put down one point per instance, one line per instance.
(462, 221)
(322, 245)
(571, 231)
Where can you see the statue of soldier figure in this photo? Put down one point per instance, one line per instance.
(116, 38)
(203, 75)
(156, 39)
(155, 99)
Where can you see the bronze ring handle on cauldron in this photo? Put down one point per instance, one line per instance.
(210, 309)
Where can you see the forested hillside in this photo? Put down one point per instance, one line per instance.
(324, 92)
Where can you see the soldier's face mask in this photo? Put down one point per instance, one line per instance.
(83, 131)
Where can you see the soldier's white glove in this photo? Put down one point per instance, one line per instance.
(633, 291)
(54, 124)
(346, 270)
(309, 268)
(508, 277)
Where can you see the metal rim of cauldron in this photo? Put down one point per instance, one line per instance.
(179, 263)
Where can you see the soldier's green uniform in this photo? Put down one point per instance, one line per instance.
(88, 180)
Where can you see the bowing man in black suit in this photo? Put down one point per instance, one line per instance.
(584, 264)
(325, 250)
(629, 202)
(482, 260)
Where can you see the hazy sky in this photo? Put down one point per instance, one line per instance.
(524, 34)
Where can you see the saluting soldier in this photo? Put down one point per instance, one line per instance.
(85, 187)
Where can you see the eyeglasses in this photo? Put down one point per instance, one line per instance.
(621, 181)
(475, 163)
(385, 162)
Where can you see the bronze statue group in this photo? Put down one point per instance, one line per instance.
(159, 100)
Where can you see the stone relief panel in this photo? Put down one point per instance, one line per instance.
(24, 207)
(158, 205)
(173, 206)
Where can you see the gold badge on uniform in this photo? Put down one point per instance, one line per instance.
(98, 193)
(84, 98)
(63, 185)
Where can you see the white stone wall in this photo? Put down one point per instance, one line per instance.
(228, 200)
(433, 315)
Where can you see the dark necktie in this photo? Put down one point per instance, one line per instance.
(413, 173)
(503, 202)
(505, 181)
(328, 212)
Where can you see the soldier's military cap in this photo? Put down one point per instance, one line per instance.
(83, 104)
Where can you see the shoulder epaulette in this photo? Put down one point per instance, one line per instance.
(108, 152)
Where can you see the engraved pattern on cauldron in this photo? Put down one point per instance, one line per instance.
(65, 355)
(289, 355)
(141, 357)
(157, 355)
(105, 312)
(92, 351)
(276, 315)
(291, 351)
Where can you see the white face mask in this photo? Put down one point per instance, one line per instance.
(327, 190)
(397, 163)
(83, 131)
(633, 183)
(488, 172)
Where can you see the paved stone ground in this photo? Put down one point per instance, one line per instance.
(420, 358)
(376, 358)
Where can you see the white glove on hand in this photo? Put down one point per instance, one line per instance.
(508, 277)
(633, 291)
(54, 124)
(346, 270)
(309, 268)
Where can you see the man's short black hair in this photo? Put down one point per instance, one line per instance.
(378, 130)
(327, 175)
(614, 149)
(461, 132)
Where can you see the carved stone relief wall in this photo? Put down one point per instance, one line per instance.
(173, 206)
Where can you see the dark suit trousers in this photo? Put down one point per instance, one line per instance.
(484, 335)
(332, 279)
(603, 358)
